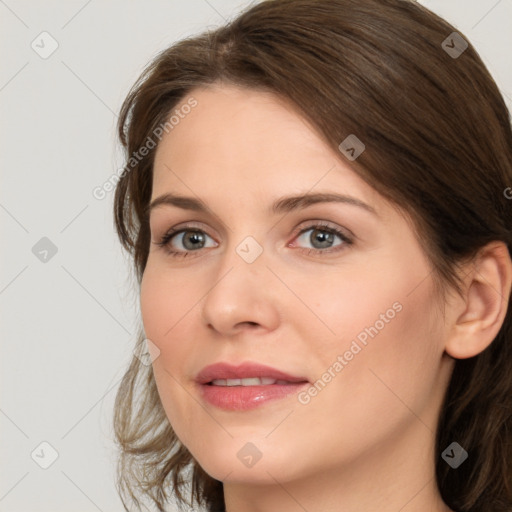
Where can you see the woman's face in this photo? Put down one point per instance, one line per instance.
(354, 314)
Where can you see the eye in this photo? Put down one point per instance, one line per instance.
(192, 239)
(322, 237)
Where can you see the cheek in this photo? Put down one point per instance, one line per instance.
(169, 303)
(360, 305)
(391, 346)
(153, 304)
(164, 300)
(163, 309)
(386, 381)
(386, 323)
(166, 306)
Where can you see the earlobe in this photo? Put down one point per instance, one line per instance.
(486, 298)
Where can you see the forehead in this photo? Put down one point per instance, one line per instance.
(245, 140)
(234, 123)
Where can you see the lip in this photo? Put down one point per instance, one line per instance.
(238, 398)
(243, 371)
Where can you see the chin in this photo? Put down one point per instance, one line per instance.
(242, 461)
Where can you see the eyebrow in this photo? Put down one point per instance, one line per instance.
(281, 205)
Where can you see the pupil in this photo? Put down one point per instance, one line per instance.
(193, 237)
(323, 237)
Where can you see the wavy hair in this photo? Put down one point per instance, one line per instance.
(438, 144)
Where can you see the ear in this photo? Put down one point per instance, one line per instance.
(479, 315)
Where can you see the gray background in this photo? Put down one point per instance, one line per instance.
(68, 323)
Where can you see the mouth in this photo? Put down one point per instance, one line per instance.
(247, 386)
(251, 381)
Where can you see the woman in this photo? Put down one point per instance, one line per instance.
(315, 199)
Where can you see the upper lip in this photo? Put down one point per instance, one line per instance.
(245, 370)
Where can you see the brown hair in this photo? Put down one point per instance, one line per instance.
(438, 144)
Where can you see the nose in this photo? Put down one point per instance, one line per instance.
(242, 296)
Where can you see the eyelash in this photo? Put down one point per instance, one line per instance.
(327, 228)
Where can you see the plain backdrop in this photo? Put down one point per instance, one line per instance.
(69, 308)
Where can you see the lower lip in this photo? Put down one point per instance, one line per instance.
(242, 398)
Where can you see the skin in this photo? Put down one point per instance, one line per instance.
(366, 441)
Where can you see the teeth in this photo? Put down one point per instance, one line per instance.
(251, 381)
